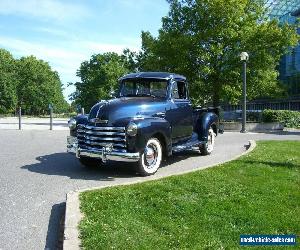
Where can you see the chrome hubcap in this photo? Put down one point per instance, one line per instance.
(150, 155)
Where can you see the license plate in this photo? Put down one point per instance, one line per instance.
(108, 148)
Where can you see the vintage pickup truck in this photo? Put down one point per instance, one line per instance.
(150, 117)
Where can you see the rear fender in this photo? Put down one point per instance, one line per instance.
(204, 122)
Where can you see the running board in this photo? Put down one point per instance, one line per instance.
(193, 142)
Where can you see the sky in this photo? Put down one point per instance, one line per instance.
(67, 32)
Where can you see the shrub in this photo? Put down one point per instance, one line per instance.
(288, 118)
(253, 116)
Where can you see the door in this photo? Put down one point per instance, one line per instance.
(180, 112)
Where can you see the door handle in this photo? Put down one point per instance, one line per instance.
(160, 114)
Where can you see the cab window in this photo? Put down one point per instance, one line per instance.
(179, 90)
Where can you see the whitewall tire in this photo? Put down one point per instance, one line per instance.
(208, 147)
(150, 158)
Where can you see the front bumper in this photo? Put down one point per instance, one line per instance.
(106, 153)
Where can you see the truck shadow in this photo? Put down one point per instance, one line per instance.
(180, 156)
(64, 164)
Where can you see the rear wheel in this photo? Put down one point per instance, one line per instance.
(90, 162)
(151, 158)
(208, 147)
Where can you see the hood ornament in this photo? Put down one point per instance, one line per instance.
(98, 120)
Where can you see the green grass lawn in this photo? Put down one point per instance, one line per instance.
(257, 194)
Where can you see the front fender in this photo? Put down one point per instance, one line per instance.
(204, 122)
(80, 119)
(148, 128)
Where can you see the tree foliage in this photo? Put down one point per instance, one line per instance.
(39, 86)
(29, 83)
(98, 77)
(8, 82)
(202, 40)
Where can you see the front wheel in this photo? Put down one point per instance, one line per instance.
(208, 147)
(151, 158)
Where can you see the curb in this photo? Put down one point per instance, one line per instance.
(72, 218)
(73, 215)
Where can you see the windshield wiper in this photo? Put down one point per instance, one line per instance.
(129, 95)
(146, 95)
(143, 95)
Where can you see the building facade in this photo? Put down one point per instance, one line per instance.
(288, 11)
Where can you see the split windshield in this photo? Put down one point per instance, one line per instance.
(144, 87)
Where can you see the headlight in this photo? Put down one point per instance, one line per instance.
(132, 129)
(72, 124)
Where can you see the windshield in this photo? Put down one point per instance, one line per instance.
(144, 87)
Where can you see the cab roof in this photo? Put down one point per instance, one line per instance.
(155, 75)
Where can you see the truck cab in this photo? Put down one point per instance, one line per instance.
(150, 117)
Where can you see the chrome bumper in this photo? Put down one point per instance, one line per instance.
(106, 153)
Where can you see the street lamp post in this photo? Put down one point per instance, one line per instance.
(51, 116)
(244, 58)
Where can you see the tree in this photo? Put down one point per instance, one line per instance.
(8, 82)
(98, 77)
(131, 60)
(202, 40)
(38, 87)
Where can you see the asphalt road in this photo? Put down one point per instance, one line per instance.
(36, 174)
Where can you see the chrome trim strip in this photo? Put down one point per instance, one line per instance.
(97, 149)
(95, 138)
(100, 133)
(102, 144)
(105, 128)
(100, 128)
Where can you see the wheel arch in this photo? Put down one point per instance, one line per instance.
(163, 141)
(148, 128)
(215, 128)
(205, 121)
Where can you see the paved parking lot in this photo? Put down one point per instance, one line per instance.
(36, 174)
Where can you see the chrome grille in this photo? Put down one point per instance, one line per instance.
(99, 137)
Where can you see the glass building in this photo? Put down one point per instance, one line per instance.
(289, 69)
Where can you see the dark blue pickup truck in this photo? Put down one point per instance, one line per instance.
(150, 117)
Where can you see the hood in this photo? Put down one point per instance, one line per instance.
(119, 112)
